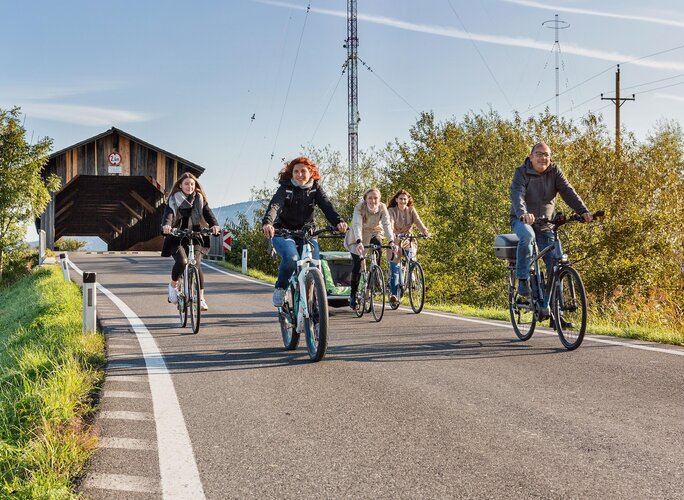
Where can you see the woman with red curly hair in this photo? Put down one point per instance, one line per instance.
(292, 207)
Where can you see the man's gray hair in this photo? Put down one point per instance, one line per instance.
(542, 143)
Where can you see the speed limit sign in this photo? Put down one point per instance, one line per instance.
(114, 159)
(114, 166)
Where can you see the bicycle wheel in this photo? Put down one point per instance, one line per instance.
(416, 287)
(360, 302)
(316, 325)
(194, 299)
(523, 318)
(569, 304)
(287, 317)
(377, 292)
(182, 303)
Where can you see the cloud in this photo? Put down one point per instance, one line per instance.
(529, 43)
(590, 12)
(44, 92)
(670, 97)
(82, 115)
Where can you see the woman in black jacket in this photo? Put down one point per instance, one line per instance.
(187, 209)
(292, 207)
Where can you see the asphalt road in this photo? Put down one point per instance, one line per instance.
(428, 405)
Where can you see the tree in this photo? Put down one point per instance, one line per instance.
(24, 193)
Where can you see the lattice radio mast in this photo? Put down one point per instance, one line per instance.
(557, 25)
(352, 44)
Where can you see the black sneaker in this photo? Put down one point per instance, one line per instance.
(563, 322)
(523, 291)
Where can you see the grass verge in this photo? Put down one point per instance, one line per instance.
(49, 370)
(596, 325)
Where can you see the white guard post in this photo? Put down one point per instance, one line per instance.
(64, 262)
(89, 301)
(244, 261)
(41, 247)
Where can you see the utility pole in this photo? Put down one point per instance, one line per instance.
(618, 101)
(557, 25)
(352, 44)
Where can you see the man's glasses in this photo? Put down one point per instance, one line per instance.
(542, 154)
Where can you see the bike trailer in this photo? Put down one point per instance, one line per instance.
(506, 246)
(336, 267)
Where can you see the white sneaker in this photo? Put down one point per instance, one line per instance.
(203, 305)
(278, 297)
(173, 295)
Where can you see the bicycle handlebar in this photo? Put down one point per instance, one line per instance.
(306, 233)
(561, 219)
(189, 233)
(410, 236)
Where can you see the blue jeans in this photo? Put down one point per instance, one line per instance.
(526, 237)
(395, 271)
(289, 251)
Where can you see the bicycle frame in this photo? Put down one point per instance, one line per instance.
(544, 290)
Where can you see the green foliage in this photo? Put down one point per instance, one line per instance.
(48, 369)
(459, 173)
(24, 193)
(69, 245)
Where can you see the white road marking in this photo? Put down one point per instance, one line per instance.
(121, 482)
(114, 377)
(237, 276)
(126, 443)
(125, 415)
(179, 473)
(589, 338)
(125, 394)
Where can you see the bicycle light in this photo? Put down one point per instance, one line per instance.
(564, 258)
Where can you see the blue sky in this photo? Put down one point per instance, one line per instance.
(188, 77)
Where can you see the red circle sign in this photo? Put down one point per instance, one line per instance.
(114, 159)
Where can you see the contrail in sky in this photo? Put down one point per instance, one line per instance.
(575, 10)
(82, 115)
(529, 43)
(669, 96)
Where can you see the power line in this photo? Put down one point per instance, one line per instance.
(344, 67)
(388, 85)
(289, 85)
(491, 73)
(609, 68)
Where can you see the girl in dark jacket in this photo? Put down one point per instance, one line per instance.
(291, 207)
(187, 209)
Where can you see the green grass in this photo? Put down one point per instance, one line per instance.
(49, 370)
(596, 325)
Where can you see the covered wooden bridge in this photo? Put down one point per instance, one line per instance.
(113, 186)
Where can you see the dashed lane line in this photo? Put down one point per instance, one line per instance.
(178, 468)
(125, 415)
(121, 482)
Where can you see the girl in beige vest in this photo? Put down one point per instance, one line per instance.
(370, 223)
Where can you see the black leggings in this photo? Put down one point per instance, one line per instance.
(356, 265)
(181, 258)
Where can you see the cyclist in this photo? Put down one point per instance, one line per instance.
(403, 215)
(292, 207)
(370, 223)
(533, 191)
(187, 208)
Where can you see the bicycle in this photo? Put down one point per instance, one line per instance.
(411, 277)
(562, 297)
(370, 298)
(188, 284)
(305, 312)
